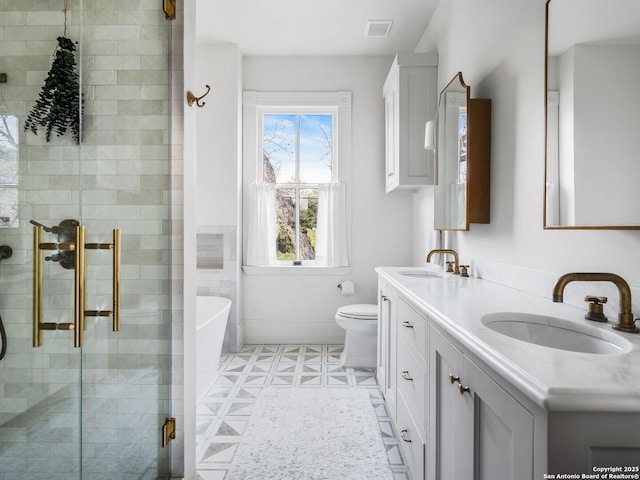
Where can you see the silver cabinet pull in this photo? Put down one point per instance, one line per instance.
(403, 435)
(406, 376)
(407, 324)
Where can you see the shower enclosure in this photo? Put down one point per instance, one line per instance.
(85, 242)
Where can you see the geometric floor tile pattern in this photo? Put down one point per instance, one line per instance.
(223, 414)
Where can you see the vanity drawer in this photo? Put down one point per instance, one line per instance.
(411, 441)
(412, 327)
(412, 381)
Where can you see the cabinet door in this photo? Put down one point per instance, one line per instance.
(445, 461)
(392, 128)
(387, 339)
(412, 327)
(411, 440)
(383, 336)
(411, 97)
(478, 430)
(502, 438)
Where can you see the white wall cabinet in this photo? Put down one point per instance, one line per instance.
(410, 97)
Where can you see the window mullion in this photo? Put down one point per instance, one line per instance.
(297, 223)
(298, 149)
(298, 187)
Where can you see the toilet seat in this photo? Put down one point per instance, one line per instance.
(360, 311)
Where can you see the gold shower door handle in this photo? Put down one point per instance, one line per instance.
(80, 284)
(80, 313)
(38, 264)
(116, 278)
(77, 248)
(117, 256)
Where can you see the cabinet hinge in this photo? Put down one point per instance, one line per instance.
(168, 431)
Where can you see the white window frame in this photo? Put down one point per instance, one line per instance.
(255, 104)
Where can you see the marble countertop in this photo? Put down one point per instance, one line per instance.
(554, 379)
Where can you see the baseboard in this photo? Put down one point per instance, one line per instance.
(292, 331)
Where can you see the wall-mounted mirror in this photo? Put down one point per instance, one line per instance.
(592, 123)
(463, 141)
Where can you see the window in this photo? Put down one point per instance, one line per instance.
(8, 171)
(295, 148)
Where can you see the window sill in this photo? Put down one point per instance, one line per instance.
(295, 270)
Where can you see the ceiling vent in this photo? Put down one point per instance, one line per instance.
(378, 28)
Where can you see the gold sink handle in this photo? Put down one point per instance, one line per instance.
(595, 312)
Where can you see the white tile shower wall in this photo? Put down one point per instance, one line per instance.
(126, 183)
(221, 282)
(210, 254)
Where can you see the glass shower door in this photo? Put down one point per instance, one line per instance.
(93, 411)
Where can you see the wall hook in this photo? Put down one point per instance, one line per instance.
(191, 98)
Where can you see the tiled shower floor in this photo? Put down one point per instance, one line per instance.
(223, 414)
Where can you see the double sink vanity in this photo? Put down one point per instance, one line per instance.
(485, 381)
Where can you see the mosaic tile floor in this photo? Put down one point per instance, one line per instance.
(223, 414)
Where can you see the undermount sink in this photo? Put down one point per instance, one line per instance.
(556, 333)
(420, 273)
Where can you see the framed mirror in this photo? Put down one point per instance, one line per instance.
(463, 139)
(592, 100)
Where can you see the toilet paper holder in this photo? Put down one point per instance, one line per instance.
(347, 287)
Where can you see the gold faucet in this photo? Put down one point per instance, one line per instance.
(456, 269)
(626, 323)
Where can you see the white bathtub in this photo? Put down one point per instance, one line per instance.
(211, 321)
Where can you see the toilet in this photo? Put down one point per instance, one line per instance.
(360, 323)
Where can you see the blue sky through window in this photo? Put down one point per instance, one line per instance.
(314, 148)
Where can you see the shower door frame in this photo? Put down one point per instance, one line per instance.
(67, 412)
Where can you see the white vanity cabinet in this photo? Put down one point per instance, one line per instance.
(386, 355)
(580, 441)
(410, 98)
(468, 404)
(477, 430)
(453, 420)
(411, 384)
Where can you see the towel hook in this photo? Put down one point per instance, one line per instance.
(191, 98)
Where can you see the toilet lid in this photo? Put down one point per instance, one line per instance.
(363, 311)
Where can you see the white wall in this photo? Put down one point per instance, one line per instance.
(218, 121)
(301, 308)
(499, 47)
(218, 175)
